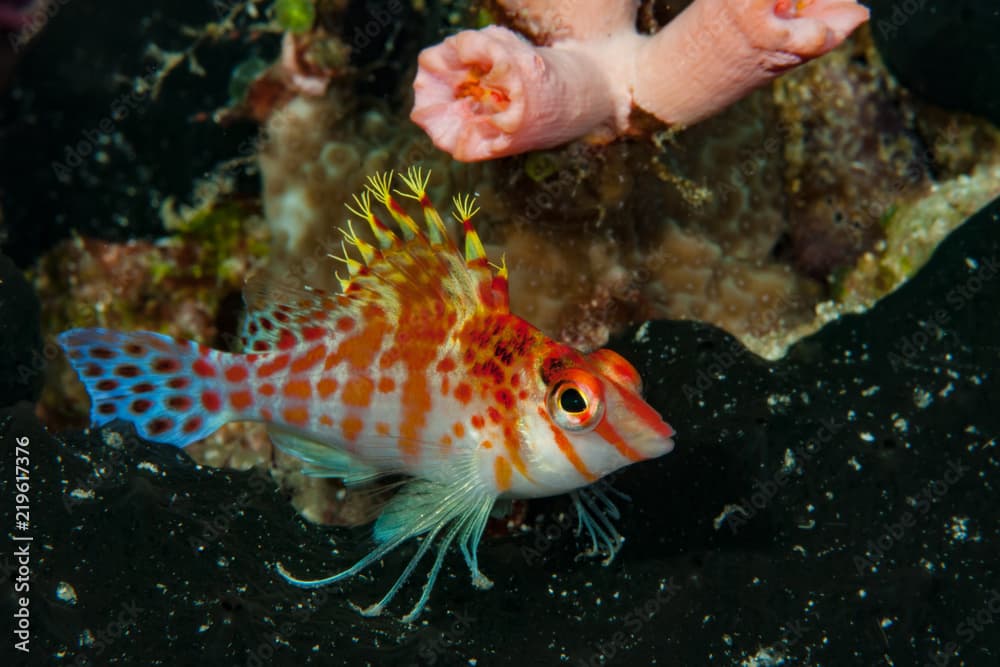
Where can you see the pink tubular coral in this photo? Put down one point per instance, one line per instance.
(488, 93)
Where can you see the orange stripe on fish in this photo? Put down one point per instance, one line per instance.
(566, 447)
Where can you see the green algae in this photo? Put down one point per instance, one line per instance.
(295, 15)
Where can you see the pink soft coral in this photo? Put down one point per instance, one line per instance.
(489, 93)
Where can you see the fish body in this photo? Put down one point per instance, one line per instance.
(417, 368)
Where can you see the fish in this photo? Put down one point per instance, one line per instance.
(415, 371)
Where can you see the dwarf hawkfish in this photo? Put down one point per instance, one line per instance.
(416, 370)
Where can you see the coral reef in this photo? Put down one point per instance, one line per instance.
(807, 199)
(491, 93)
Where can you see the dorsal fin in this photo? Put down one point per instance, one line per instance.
(426, 263)
(422, 268)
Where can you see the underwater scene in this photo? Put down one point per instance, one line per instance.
(500, 332)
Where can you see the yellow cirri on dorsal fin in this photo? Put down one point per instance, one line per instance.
(424, 268)
(363, 209)
(465, 208)
(416, 180)
(378, 185)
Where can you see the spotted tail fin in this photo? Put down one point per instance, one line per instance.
(170, 390)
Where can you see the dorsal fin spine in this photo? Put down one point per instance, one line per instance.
(465, 208)
(379, 186)
(416, 180)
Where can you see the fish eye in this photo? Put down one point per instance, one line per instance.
(572, 401)
(575, 401)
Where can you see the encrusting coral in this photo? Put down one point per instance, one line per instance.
(491, 93)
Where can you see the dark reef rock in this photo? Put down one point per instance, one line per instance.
(838, 507)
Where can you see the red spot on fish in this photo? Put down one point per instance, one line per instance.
(179, 382)
(351, 426)
(309, 359)
(159, 425)
(106, 408)
(128, 371)
(266, 414)
(211, 401)
(280, 316)
(325, 420)
(489, 369)
(240, 400)
(271, 367)
(386, 385)
(494, 414)
(179, 403)
(92, 371)
(286, 340)
(446, 365)
(107, 385)
(478, 421)
(203, 368)
(295, 415)
(458, 428)
(102, 353)
(140, 406)
(313, 333)
(391, 356)
(143, 388)
(298, 389)
(463, 392)
(326, 386)
(345, 324)
(134, 349)
(504, 398)
(266, 324)
(382, 428)
(166, 365)
(358, 392)
(236, 373)
(192, 424)
(266, 389)
(261, 346)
